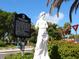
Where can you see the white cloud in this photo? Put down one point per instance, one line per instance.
(54, 19)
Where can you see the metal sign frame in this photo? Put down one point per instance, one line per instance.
(22, 26)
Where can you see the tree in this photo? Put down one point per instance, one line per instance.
(3, 23)
(54, 32)
(34, 33)
(6, 19)
(60, 30)
(57, 4)
(67, 28)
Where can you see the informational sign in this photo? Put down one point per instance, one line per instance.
(22, 26)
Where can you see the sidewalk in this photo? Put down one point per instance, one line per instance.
(27, 49)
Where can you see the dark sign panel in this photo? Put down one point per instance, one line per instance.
(22, 26)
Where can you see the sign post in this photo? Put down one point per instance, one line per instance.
(75, 27)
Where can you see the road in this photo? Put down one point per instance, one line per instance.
(6, 52)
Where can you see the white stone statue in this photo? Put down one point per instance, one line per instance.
(41, 50)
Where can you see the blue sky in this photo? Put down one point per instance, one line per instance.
(32, 8)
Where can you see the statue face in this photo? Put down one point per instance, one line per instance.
(42, 14)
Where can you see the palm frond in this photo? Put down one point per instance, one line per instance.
(77, 6)
(53, 5)
(56, 4)
(74, 5)
(47, 2)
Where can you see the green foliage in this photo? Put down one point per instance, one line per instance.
(76, 36)
(5, 23)
(18, 56)
(57, 50)
(64, 50)
(54, 54)
(66, 27)
(53, 32)
(33, 34)
(2, 44)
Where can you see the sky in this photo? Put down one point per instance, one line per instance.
(32, 9)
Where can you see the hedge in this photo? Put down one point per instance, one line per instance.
(63, 50)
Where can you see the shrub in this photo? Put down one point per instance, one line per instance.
(63, 50)
(54, 54)
(2, 44)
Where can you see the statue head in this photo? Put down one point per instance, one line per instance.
(42, 15)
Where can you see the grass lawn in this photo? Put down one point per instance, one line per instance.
(18, 56)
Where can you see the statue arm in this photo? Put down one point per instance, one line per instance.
(46, 25)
